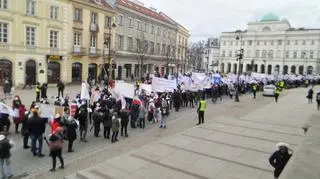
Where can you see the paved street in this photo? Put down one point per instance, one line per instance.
(233, 135)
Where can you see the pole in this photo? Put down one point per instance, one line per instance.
(109, 55)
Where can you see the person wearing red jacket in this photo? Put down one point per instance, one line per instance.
(55, 123)
(21, 109)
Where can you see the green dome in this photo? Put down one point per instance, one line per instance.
(270, 17)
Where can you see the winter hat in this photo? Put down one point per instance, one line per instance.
(2, 137)
(282, 144)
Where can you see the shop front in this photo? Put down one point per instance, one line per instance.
(54, 68)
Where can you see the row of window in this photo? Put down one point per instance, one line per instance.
(30, 34)
(78, 15)
(143, 26)
(271, 42)
(270, 54)
(31, 8)
(143, 46)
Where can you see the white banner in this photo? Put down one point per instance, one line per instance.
(5, 109)
(84, 91)
(147, 88)
(126, 89)
(46, 111)
(162, 85)
(198, 77)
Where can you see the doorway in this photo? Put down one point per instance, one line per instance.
(76, 72)
(31, 72)
(53, 72)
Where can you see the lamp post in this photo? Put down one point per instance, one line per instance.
(108, 44)
(239, 58)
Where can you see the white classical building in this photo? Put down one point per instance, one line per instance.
(211, 55)
(271, 45)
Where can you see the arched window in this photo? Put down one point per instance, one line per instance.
(264, 54)
(266, 29)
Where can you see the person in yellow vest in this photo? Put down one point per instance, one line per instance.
(254, 90)
(201, 110)
(277, 93)
(281, 85)
(38, 88)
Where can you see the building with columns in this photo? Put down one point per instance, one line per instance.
(271, 46)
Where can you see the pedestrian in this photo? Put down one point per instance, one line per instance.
(107, 123)
(124, 116)
(142, 116)
(115, 127)
(25, 130)
(5, 154)
(82, 116)
(254, 90)
(36, 128)
(97, 119)
(277, 93)
(318, 100)
(164, 113)
(38, 88)
(310, 95)
(201, 110)
(6, 89)
(151, 110)
(19, 109)
(60, 87)
(44, 88)
(71, 127)
(280, 158)
(56, 144)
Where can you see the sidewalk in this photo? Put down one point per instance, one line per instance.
(225, 147)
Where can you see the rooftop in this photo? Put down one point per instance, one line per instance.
(269, 17)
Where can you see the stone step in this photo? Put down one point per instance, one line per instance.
(73, 176)
(87, 175)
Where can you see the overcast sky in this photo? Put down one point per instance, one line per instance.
(208, 18)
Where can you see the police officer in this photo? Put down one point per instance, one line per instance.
(201, 110)
(254, 90)
(277, 93)
(38, 88)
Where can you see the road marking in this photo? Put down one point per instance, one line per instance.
(218, 158)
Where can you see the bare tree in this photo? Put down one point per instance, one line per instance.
(170, 54)
(195, 53)
(142, 50)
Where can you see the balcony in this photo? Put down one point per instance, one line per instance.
(78, 51)
(31, 48)
(94, 52)
(94, 27)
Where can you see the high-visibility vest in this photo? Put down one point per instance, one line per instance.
(202, 105)
(277, 91)
(254, 87)
(281, 84)
(37, 88)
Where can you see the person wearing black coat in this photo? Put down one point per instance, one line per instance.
(44, 88)
(71, 126)
(107, 123)
(82, 116)
(279, 159)
(97, 119)
(36, 127)
(124, 115)
(25, 130)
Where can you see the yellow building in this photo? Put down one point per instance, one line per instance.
(52, 40)
(33, 41)
(92, 26)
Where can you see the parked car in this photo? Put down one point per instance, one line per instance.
(269, 90)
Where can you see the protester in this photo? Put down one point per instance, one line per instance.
(142, 116)
(6, 89)
(5, 154)
(60, 87)
(71, 127)
(82, 116)
(20, 109)
(318, 100)
(115, 127)
(280, 158)
(164, 113)
(38, 88)
(310, 95)
(36, 128)
(124, 116)
(55, 144)
(25, 130)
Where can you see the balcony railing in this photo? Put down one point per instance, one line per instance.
(78, 50)
(94, 27)
(93, 52)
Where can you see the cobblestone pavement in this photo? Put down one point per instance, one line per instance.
(98, 150)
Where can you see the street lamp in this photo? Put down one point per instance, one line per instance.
(107, 43)
(239, 58)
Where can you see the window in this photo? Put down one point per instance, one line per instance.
(164, 33)
(30, 36)
(288, 42)
(230, 53)
(287, 54)
(3, 32)
(107, 22)
(53, 39)
(271, 42)
(152, 29)
(257, 53)
(312, 42)
(138, 25)
(94, 18)
(295, 54)
(223, 53)
(93, 40)
(120, 19)
(303, 54)
(145, 27)
(264, 54)
(130, 22)
(242, 43)
(152, 47)
(163, 48)
(296, 42)
(248, 53)
(311, 55)
(303, 42)
(77, 14)
(3, 4)
(230, 43)
(279, 42)
(250, 42)
(158, 48)
(120, 42)
(258, 42)
(77, 39)
(224, 43)
(31, 7)
(138, 45)
(237, 43)
(270, 54)
(158, 31)
(265, 42)
(54, 11)
(130, 43)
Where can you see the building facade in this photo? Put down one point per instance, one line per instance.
(146, 41)
(33, 40)
(271, 46)
(211, 55)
